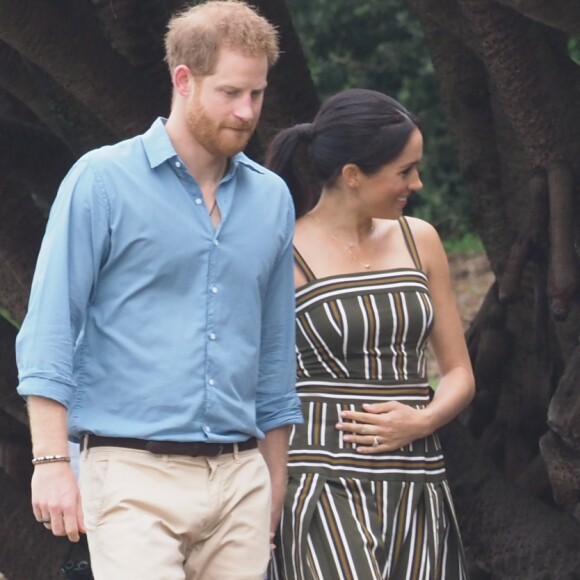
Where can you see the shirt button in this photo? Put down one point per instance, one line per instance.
(216, 242)
(207, 428)
(177, 164)
(212, 336)
(214, 289)
(198, 201)
(211, 382)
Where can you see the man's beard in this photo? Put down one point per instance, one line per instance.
(224, 139)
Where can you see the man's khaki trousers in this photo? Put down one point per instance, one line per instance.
(169, 517)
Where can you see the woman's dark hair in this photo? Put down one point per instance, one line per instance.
(359, 126)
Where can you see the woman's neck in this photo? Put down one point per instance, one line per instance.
(340, 216)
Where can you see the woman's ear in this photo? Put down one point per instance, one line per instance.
(351, 175)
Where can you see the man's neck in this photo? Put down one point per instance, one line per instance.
(205, 167)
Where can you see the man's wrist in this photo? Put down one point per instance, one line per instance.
(42, 459)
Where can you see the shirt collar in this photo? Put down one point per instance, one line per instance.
(158, 148)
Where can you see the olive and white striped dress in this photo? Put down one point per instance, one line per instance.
(361, 338)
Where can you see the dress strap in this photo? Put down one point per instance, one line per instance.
(303, 266)
(410, 241)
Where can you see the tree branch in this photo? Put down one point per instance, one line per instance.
(58, 110)
(20, 235)
(509, 56)
(465, 95)
(563, 15)
(291, 96)
(80, 60)
(10, 401)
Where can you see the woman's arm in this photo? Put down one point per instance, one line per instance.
(457, 385)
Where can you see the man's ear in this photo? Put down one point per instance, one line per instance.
(182, 80)
(351, 175)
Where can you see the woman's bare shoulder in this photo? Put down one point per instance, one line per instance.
(422, 229)
(429, 245)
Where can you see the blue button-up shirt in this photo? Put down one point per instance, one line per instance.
(145, 320)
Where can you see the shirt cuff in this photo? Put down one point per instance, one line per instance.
(48, 388)
(287, 412)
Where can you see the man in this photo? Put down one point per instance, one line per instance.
(160, 327)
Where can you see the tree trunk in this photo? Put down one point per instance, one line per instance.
(511, 108)
(507, 532)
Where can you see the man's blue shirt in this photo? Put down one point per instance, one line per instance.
(144, 320)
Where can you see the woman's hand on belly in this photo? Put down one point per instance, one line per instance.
(384, 427)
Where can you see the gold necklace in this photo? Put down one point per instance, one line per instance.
(347, 247)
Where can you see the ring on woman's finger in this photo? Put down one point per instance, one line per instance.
(375, 441)
(44, 521)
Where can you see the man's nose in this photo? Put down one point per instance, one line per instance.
(245, 109)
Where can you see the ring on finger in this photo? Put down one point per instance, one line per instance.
(375, 441)
(45, 521)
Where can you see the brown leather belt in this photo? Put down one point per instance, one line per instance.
(193, 449)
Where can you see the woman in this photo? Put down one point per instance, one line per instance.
(367, 495)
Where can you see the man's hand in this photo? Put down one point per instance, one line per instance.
(56, 500)
(274, 448)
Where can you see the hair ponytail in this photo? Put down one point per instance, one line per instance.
(286, 157)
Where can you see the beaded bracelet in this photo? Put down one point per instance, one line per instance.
(50, 459)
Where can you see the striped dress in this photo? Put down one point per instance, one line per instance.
(361, 338)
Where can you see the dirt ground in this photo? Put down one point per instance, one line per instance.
(472, 276)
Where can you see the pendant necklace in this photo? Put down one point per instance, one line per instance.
(347, 247)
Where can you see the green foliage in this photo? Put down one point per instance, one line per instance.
(467, 244)
(574, 49)
(6, 315)
(378, 44)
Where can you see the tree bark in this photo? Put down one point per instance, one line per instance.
(80, 60)
(561, 15)
(507, 533)
(27, 550)
(291, 96)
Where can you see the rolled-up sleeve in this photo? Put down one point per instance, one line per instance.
(277, 401)
(73, 249)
